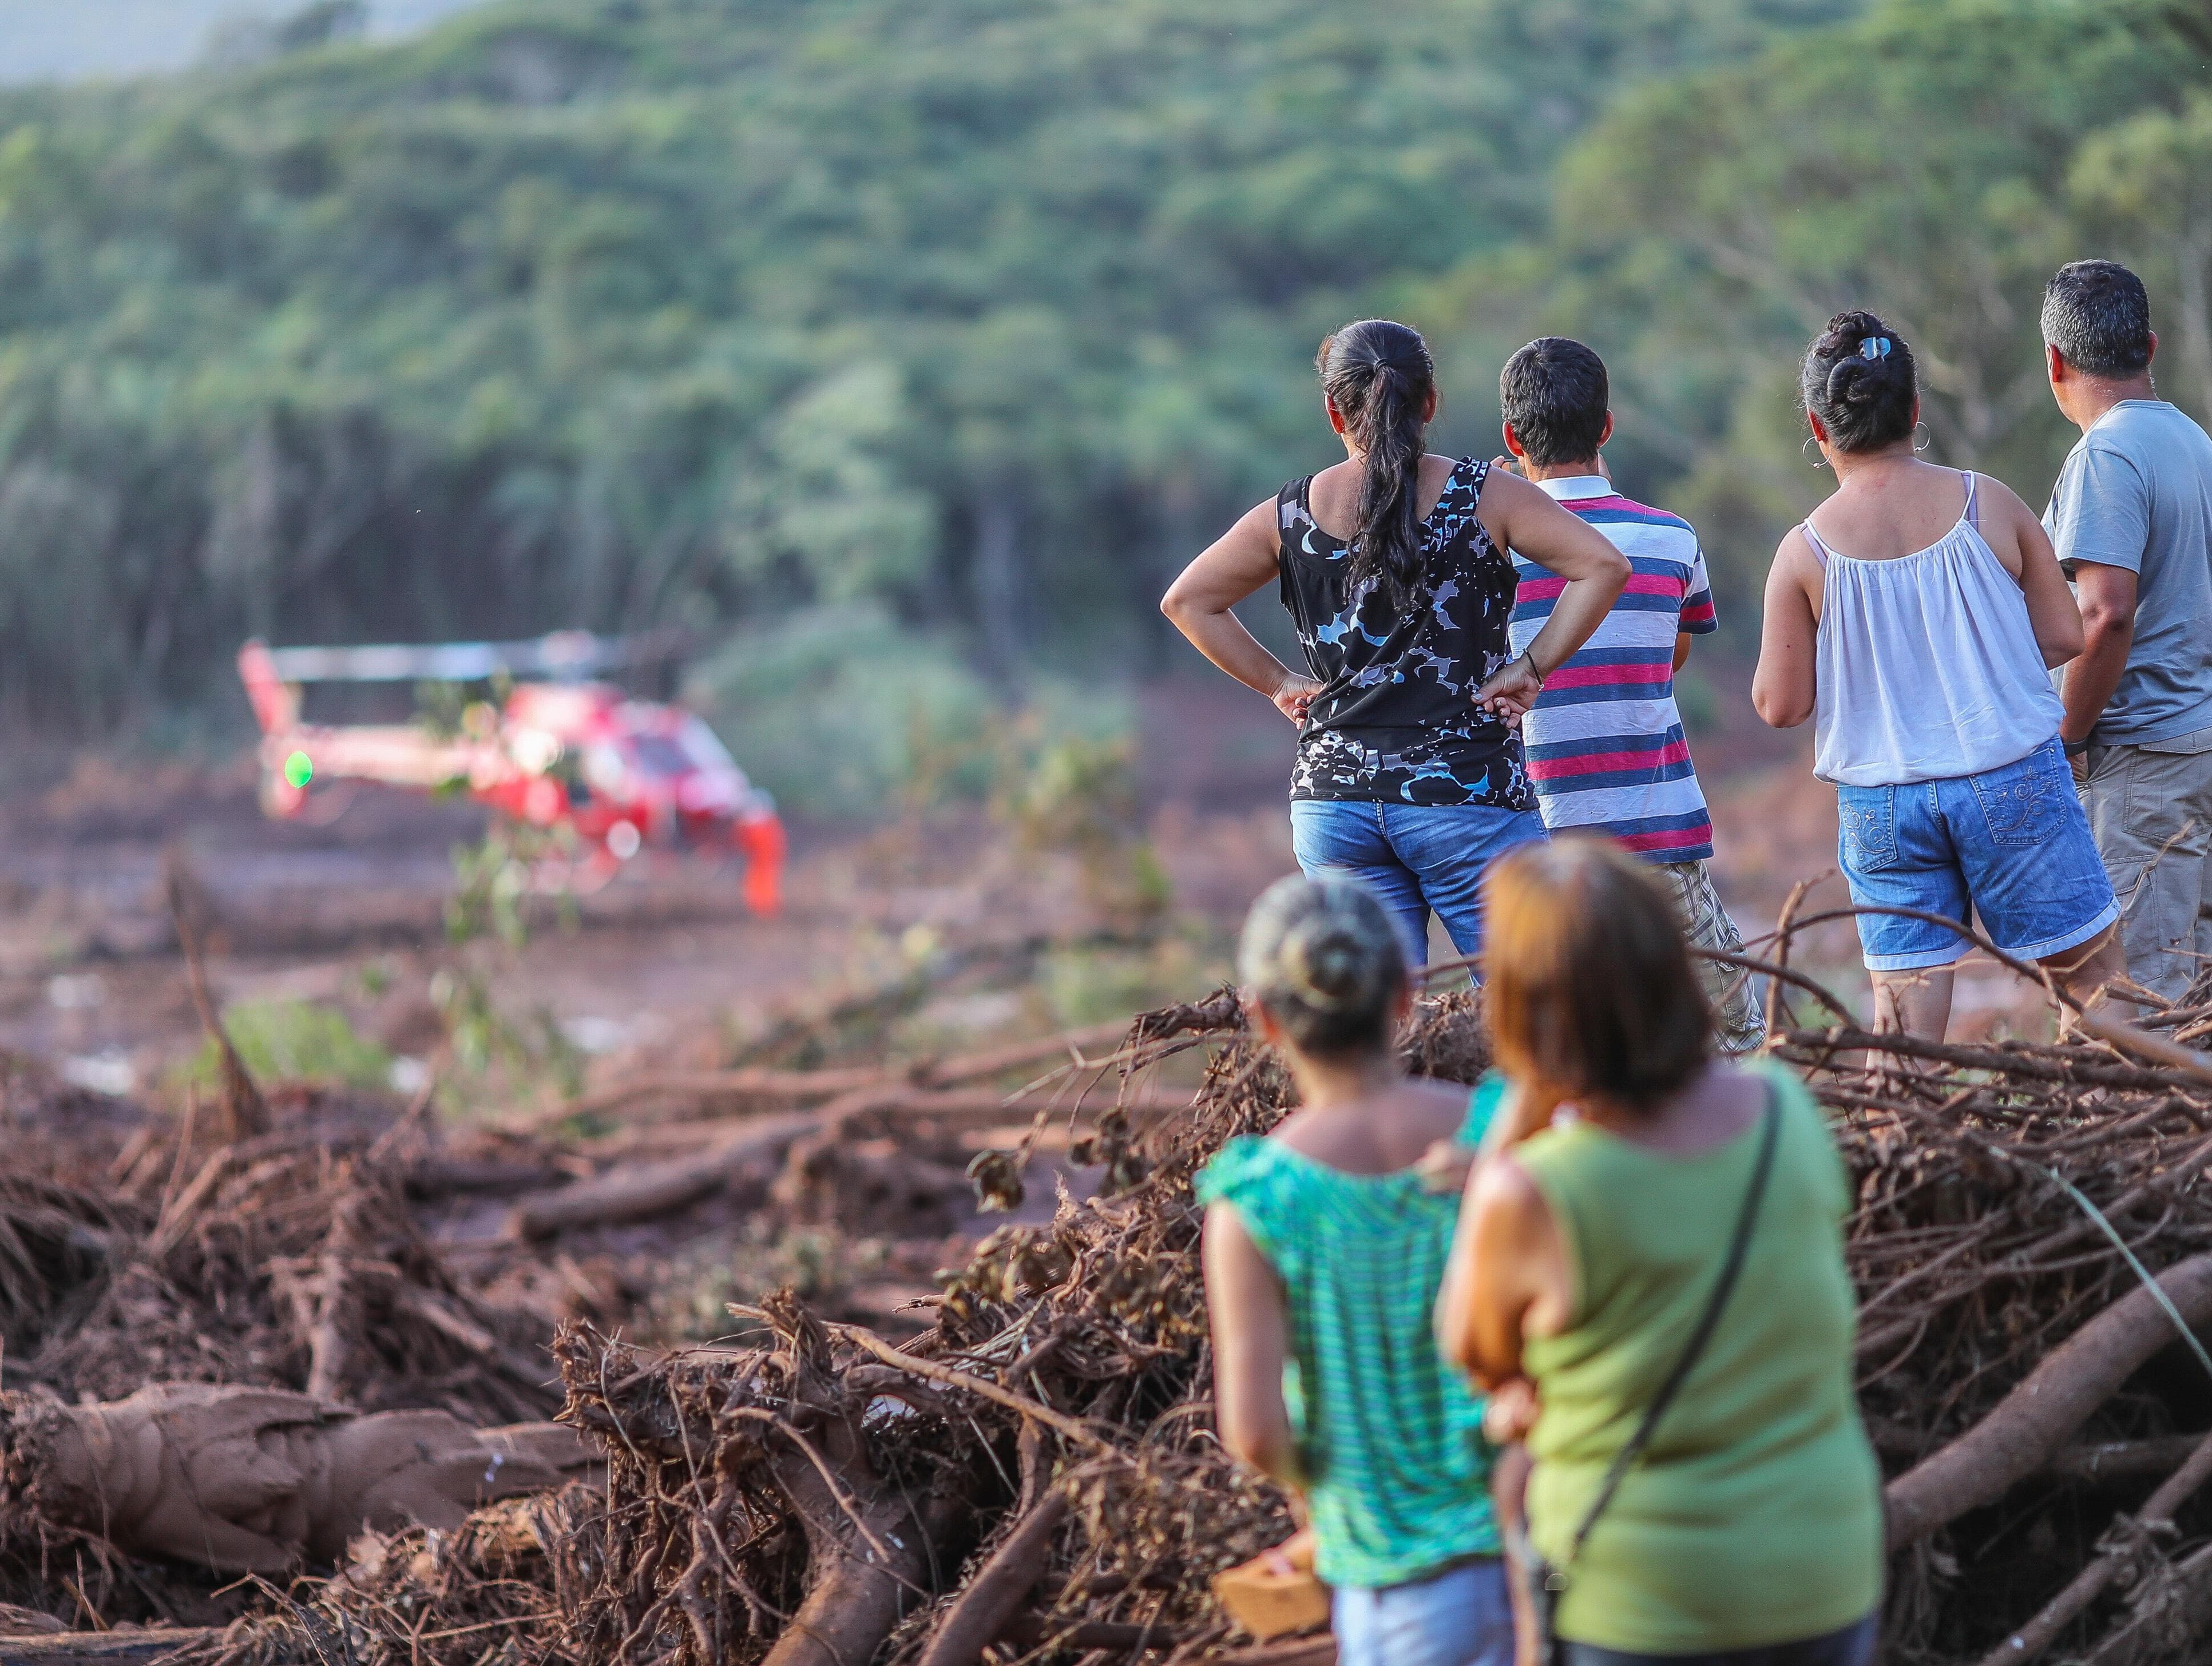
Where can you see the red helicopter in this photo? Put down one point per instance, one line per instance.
(623, 775)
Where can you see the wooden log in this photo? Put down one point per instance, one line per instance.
(131, 1648)
(1121, 1638)
(2146, 1635)
(2121, 1460)
(640, 1191)
(442, 1176)
(2087, 1586)
(987, 1607)
(2017, 1437)
(867, 1550)
(796, 1086)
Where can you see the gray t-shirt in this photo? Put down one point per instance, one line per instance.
(2136, 492)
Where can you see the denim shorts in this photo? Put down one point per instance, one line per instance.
(1461, 1617)
(2011, 843)
(1415, 857)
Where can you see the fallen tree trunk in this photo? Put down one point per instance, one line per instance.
(793, 1087)
(987, 1608)
(2017, 1438)
(641, 1190)
(2184, 1612)
(258, 1480)
(2121, 1459)
(2156, 1515)
(645, 1189)
(131, 1648)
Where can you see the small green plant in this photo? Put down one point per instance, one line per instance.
(1078, 793)
(294, 1041)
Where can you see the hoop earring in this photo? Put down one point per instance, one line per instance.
(1817, 462)
(1922, 438)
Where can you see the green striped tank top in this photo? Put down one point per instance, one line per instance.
(1390, 1436)
(1755, 1515)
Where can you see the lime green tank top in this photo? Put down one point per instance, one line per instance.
(1755, 1515)
(1390, 1436)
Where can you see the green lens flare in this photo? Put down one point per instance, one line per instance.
(298, 770)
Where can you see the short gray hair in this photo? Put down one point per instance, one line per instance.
(1324, 958)
(2097, 314)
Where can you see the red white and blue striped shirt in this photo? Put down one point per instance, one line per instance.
(1605, 745)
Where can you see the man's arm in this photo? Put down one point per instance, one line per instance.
(2107, 596)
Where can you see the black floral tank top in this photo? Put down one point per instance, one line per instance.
(1395, 719)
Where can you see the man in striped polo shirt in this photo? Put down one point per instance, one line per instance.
(1605, 745)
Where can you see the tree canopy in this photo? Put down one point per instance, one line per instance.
(612, 312)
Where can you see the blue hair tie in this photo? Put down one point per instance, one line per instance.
(1875, 347)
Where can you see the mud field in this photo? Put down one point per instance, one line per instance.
(649, 1283)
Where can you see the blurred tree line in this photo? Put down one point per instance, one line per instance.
(980, 316)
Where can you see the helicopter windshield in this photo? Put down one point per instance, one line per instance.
(706, 746)
(661, 756)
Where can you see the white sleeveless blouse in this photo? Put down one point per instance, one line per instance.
(1927, 666)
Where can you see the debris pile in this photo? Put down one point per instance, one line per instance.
(1033, 1475)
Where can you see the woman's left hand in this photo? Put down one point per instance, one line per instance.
(1511, 692)
(1510, 1411)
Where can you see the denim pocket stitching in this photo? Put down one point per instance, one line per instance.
(1868, 826)
(2027, 787)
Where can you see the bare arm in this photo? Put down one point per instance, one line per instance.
(1682, 640)
(1238, 563)
(1251, 1339)
(1522, 517)
(1504, 1281)
(2051, 610)
(2108, 630)
(1783, 689)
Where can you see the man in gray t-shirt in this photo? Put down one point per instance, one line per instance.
(2131, 516)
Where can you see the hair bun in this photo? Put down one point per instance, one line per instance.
(1329, 965)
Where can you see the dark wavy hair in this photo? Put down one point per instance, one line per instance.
(1859, 380)
(1380, 375)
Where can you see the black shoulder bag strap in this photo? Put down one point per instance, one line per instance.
(1556, 1579)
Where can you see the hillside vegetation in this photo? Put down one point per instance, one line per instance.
(981, 313)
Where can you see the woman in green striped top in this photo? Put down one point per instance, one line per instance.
(1324, 1253)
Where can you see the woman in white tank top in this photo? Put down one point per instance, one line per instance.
(1917, 624)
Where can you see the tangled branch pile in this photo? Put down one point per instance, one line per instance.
(1035, 1475)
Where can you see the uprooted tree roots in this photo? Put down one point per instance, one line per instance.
(1034, 1477)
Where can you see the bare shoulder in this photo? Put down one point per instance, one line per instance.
(1795, 563)
(1505, 1196)
(1379, 1135)
(1989, 492)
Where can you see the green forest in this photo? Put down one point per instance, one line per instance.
(859, 323)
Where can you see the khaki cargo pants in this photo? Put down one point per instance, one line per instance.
(1738, 1024)
(2150, 808)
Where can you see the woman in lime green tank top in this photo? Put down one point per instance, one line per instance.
(1324, 1252)
(1749, 1528)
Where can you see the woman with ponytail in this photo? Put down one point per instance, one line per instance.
(1917, 623)
(1324, 1251)
(1393, 567)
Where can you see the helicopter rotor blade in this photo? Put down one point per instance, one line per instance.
(564, 654)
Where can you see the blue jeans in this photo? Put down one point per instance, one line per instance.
(1414, 857)
(1461, 1617)
(2011, 842)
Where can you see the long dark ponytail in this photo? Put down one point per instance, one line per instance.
(1379, 375)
